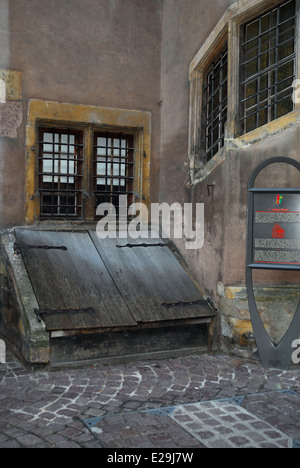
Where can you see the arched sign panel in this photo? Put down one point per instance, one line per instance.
(273, 242)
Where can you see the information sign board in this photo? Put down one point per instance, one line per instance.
(273, 242)
(276, 229)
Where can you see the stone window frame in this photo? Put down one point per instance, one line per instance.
(89, 119)
(229, 29)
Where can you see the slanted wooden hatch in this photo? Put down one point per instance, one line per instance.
(82, 282)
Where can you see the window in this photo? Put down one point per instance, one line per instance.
(60, 173)
(268, 66)
(242, 80)
(214, 109)
(113, 167)
(78, 157)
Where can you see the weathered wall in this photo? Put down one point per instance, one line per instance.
(222, 259)
(134, 54)
(92, 52)
(186, 26)
(11, 193)
(221, 262)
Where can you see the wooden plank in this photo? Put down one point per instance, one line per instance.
(151, 276)
(131, 344)
(129, 274)
(75, 278)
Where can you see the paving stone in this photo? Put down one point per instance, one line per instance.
(192, 399)
(29, 440)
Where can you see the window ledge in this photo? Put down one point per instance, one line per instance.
(264, 132)
(198, 175)
(245, 141)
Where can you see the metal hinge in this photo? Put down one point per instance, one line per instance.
(39, 313)
(131, 246)
(17, 247)
(168, 305)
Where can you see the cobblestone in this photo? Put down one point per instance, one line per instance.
(196, 402)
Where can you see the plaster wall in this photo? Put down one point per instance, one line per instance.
(92, 52)
(135, 54)
(221, 262)
(222, 259)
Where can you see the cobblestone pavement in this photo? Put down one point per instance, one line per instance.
(190, 402)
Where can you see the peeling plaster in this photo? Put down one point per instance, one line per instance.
(10, 119)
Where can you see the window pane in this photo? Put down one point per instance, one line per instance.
(60, 173)
(268, 62)
(114, 170)
(214, 109)
(252, 29)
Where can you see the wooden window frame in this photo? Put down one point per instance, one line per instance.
(88, 120)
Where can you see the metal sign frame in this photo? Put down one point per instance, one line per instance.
(276, 356)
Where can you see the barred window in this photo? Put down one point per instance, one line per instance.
(214, 108)
(65, 177)
(60, 173)
(113, 167)
(81, 156)
(268, 66)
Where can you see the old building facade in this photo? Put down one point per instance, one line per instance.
(196, 97)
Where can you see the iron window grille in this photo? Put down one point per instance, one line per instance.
(268, 66)
(60, 173)
(214, 106)
(113, 168)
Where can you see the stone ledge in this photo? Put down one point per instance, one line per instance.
(18, 321)
(276, 304)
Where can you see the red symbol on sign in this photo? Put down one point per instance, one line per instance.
(278, 232)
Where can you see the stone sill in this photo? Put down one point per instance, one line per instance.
(245, 142)
(264, 293)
